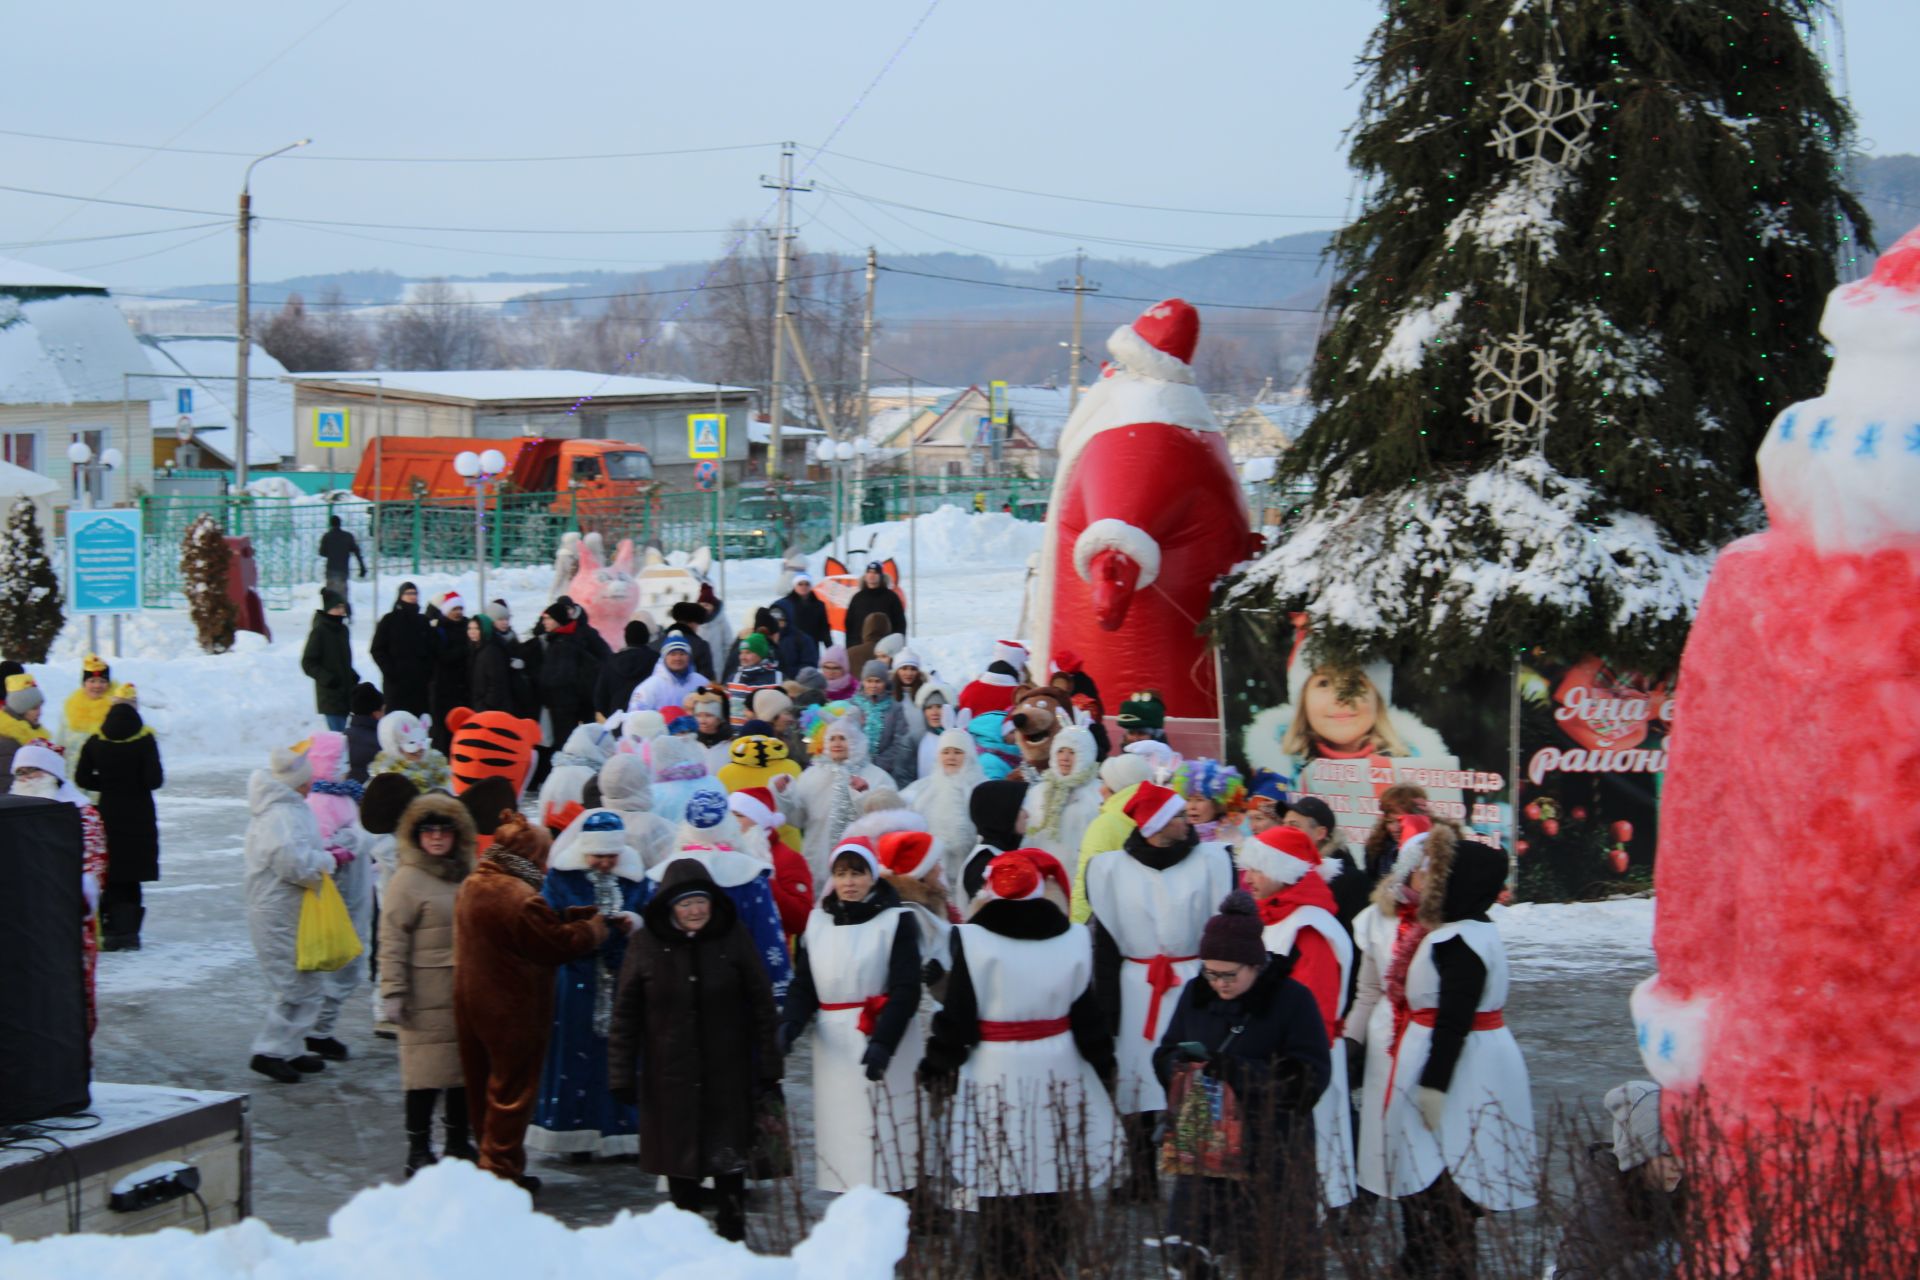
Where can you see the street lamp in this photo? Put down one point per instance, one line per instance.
(86, 470)
(480, 470)
(245, 344)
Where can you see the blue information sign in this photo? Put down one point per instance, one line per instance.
(103, 561)
(183, 400)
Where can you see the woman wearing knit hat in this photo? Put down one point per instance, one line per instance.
(285, 857)
(889, 743)
(121, 765)
(576, 1116)
(858, 969)
(1243, 1024)
(20, 718)
(434, 847)
(1284, 872)
(1629, 1203)
(1149, 906)
(1021, 1047)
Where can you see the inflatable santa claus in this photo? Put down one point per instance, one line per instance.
(1777, 919)
(1146, 513)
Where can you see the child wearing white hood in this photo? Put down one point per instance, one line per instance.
(943, 794)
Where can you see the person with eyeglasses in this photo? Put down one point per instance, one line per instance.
(1257, 1032)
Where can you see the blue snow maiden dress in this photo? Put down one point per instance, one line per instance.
(574, 1114)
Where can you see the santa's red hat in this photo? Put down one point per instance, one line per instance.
(1283, 854)
(909, 853)
(860, 847)
(1153, 807)
(757, 805)
(1066, 662)
(1011, 652)
(1025, 873)
(1160, 343)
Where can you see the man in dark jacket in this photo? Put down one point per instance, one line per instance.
(1351, 889)
(566, 669)
(875, 595)
(328, 661)
(337, 546)
(807, 614)
(403, 650)
(621, 673)
(363, 730)
(792, 647)
(447, 622)
(1246, 1023)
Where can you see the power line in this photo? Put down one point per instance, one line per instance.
(118, 235)
(471, 302)
(1050, 195)
(154, 253)
(309, 158)
(1119, 297)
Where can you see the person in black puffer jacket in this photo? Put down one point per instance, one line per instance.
(122, 763)
(567, 670)
(807, 613)
(452, 656)
(363, 730)
(1245, 1023)
(403, 649)
(489, 668)
(328, 660)
(623, 672)
(875, 596)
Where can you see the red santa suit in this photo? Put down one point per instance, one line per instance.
(1804, 652)
(1146, 513)
(1300, 921)
(792, 883)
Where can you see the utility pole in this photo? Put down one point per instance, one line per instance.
(1080, 288)
(786, 189)
(241, 318)
(866, 346)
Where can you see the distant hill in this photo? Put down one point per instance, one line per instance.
(1889, 186)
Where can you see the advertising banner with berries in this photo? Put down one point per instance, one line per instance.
(1349, 735)
(1593, 752)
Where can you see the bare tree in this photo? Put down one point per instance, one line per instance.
(306, 342)
(439, 329)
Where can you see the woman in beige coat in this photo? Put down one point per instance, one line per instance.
(434, 850)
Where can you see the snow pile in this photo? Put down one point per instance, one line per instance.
(1415, 331)
(950, 538)
(1576, 935)
(1516, 530)
(453, 1222)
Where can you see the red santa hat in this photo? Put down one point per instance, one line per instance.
(451, 601)
(1025, 873)
(909, 853)
(1153, 807)
(1011, 652)
(1282, 854)
(757, 805)
(1160, 343)
(859, 847)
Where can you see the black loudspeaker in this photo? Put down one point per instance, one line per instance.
(44, 1055)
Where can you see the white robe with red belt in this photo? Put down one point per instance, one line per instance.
(1333, 1114)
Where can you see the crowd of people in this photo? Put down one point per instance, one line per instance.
(1029, 951)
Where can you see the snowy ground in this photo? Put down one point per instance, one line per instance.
(183, 1010)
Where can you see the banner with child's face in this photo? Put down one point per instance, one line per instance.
(1349, 735)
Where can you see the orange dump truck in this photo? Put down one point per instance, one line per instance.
(402, 468)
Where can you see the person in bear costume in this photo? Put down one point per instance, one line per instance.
(1038, 714)
(510, 944)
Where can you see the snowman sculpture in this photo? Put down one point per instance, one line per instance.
(1790, 823)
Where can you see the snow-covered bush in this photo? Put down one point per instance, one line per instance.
(30, 595)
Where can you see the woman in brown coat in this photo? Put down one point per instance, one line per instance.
(508, 944)
(433, 852)
(694, 1021)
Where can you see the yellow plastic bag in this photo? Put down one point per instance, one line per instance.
(326, 941)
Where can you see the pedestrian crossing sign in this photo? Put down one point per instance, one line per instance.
(706, 435)
(330, 428)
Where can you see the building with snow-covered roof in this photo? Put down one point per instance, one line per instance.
(955, 434)
(192, 379)
(69, 363)
(497, 404)
(1266, 428)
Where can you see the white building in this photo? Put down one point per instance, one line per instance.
(70, 369)
(193, 378)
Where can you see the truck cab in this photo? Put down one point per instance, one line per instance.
(590, 469)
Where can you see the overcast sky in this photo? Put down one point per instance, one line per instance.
(1229, 105)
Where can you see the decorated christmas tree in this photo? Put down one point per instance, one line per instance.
(204, 563)
(30, 596)
(1589, 273)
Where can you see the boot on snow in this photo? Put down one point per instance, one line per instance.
(419, 1151)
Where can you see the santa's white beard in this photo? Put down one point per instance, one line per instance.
(44, 787)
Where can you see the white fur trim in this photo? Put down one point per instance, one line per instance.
(928, 689)
(1672, 1032)
(745, 806)
(997, 680)
(1079, 741)
(1283, 868)
(861, 850)
(451, 601)
(1136, 355)
(872, 826)
(1117, 535)
(1156, 822)
(1011, 652)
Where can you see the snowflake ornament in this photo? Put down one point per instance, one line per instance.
(1515, 393)
(1545, 123)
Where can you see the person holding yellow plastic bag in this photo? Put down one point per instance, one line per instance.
(285, 857)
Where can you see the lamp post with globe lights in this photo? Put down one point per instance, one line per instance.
(87, 471)
(480, 470)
